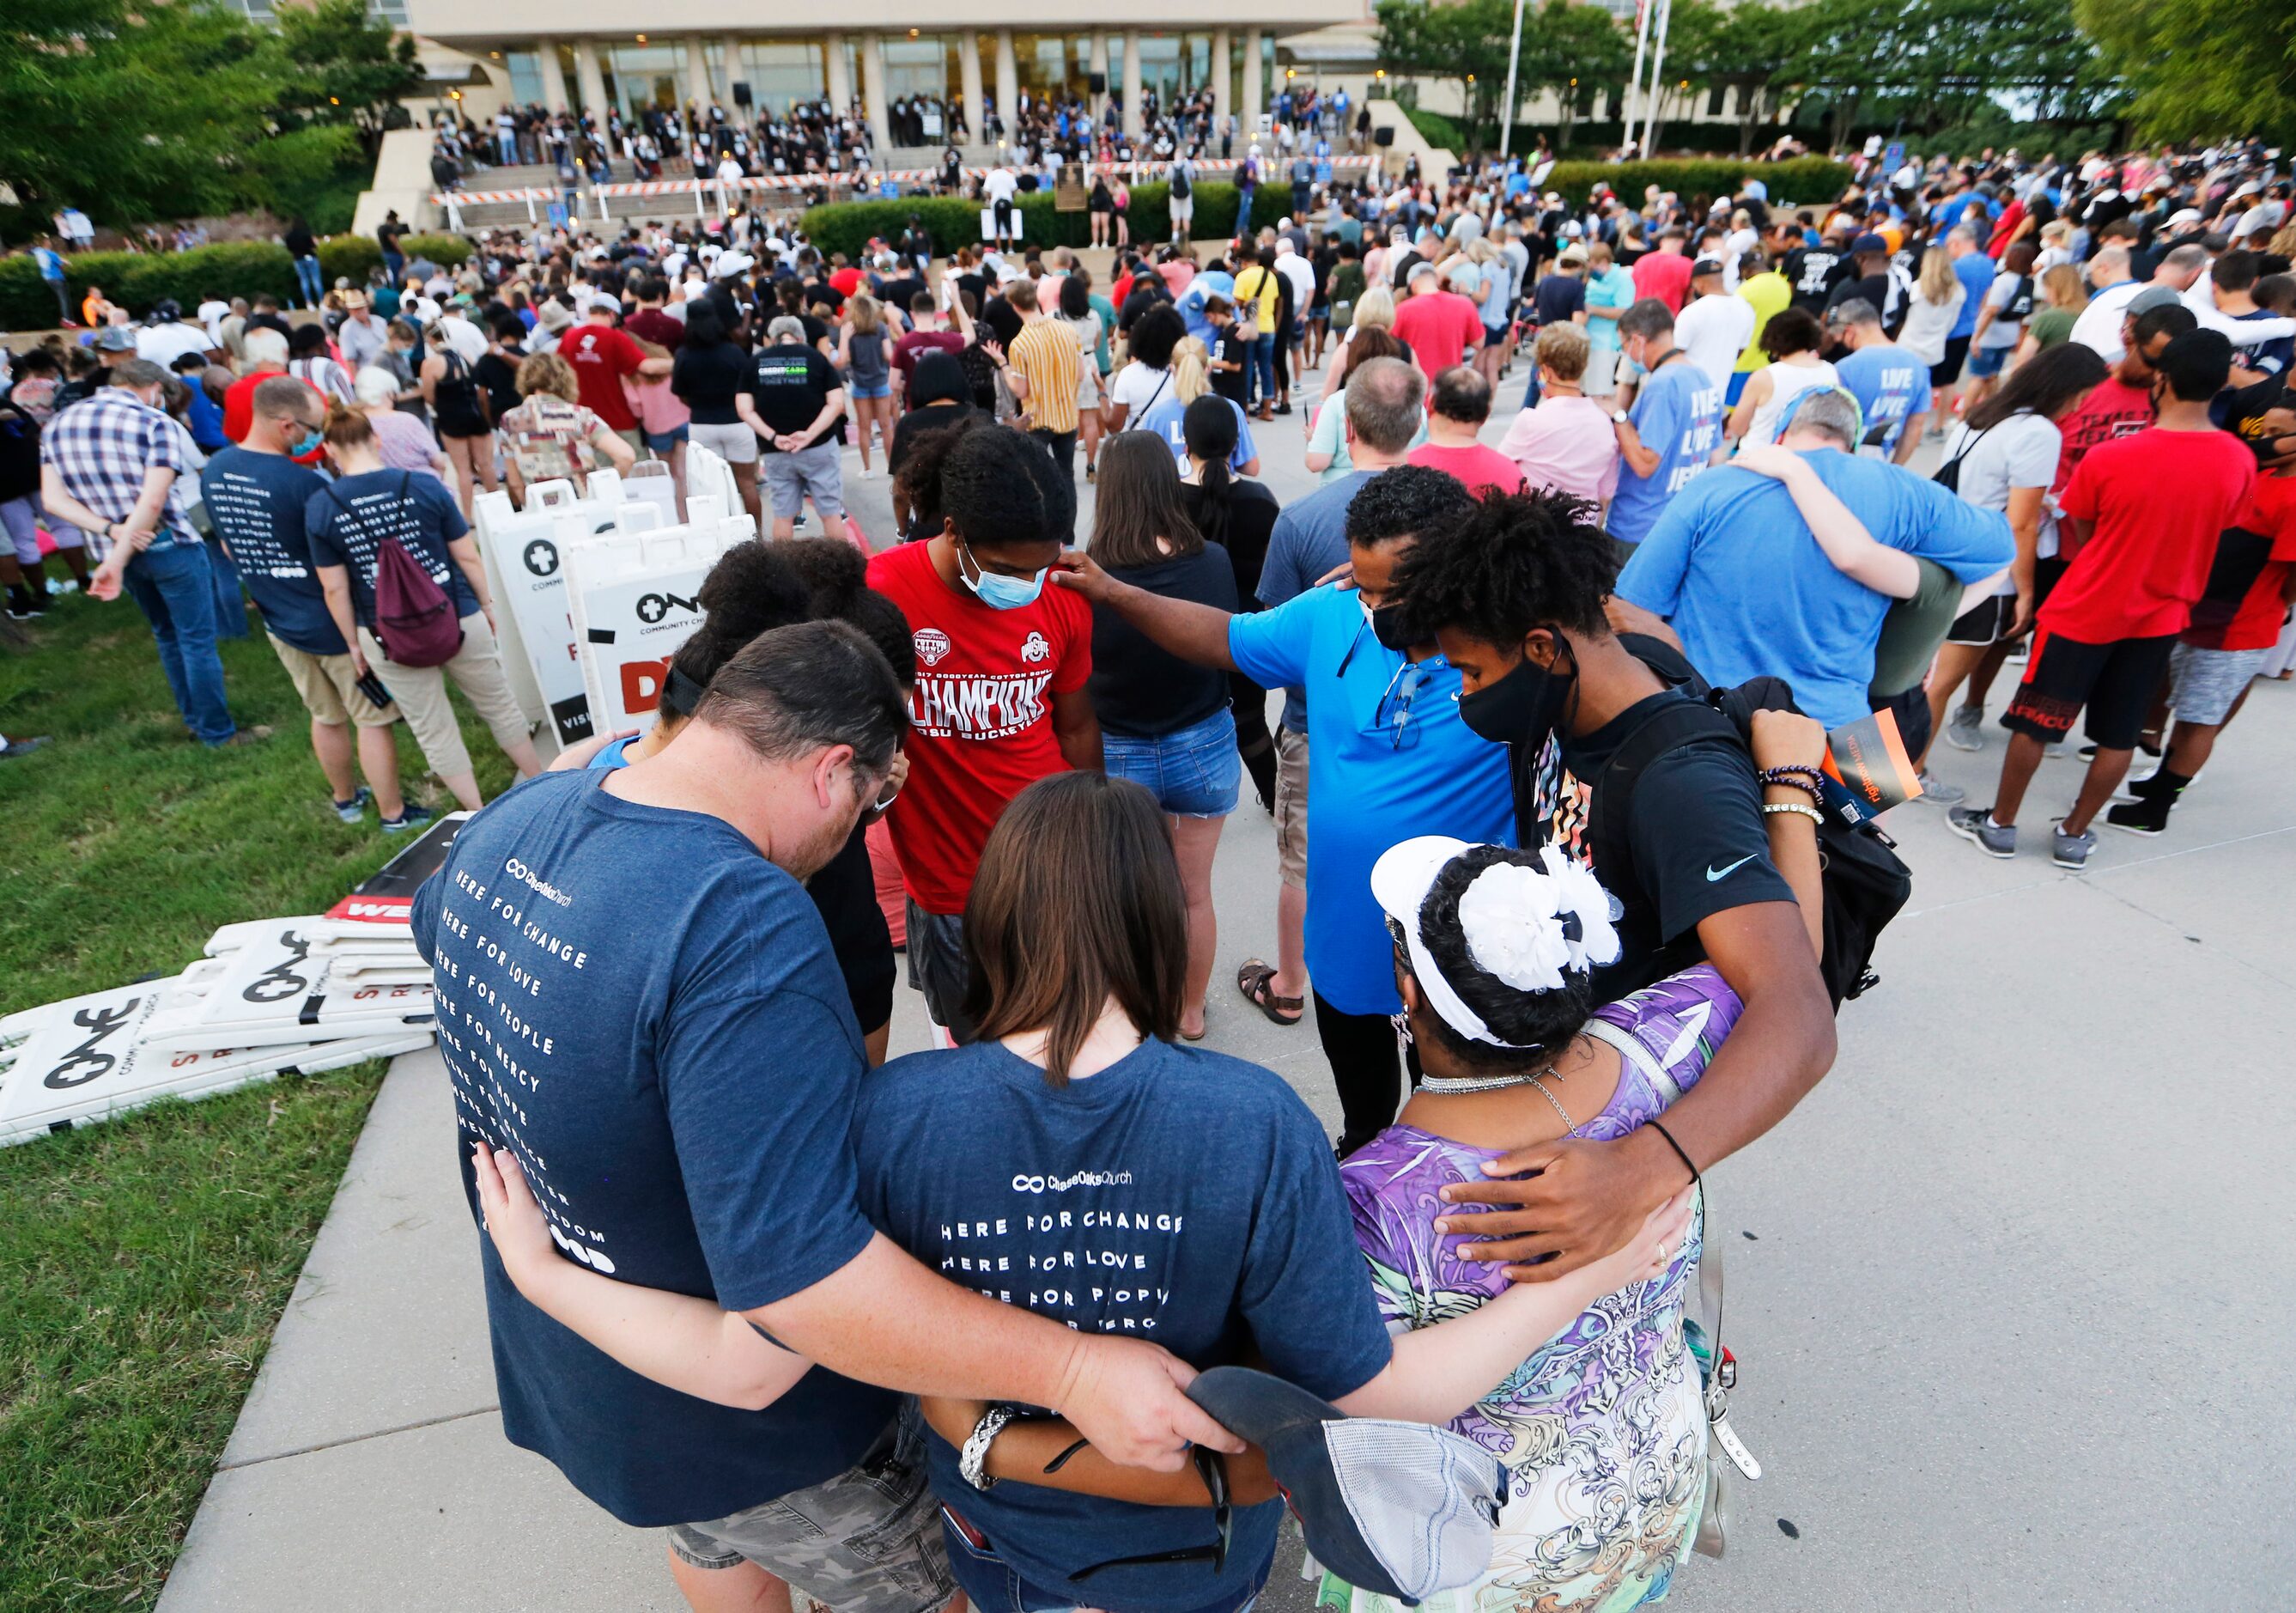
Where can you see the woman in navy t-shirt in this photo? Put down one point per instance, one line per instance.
(1075, 1162)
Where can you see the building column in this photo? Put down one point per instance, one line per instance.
(554, 77)
(841, 82)
(1008, 80)
(1249, 116)
(1223, 98)
(1098, 62)
(968, 72)
(735, 70)
(872, 92)
(697, 72)
(1132, 82)
(592, 81)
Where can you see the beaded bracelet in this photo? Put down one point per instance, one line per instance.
(1812, 813)
(1788, 782)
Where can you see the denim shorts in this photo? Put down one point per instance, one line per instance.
(1985, 361)
(1194, 772)
(871, 388)
(661, 442)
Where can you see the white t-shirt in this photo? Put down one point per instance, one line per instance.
(1714, 331)
(1137, 387)
(2004, 331)
(163, 344)
(1000, 185)
(462, 336)
(2022, 452)
(1301, 274)
(212, 314)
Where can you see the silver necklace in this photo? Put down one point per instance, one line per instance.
(1446, 1086)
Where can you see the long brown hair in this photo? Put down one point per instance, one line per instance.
(1077, 900)
(1140, 501)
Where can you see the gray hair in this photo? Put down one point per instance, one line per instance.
(786, 328)
(2187, 257)
(1647, 318)
(1829, 411)
(1853, 310)
(1385, 398)
(139, 372)
(793, 691)
(1962, 232)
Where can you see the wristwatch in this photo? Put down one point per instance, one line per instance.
(972, 1462)
(1619, 417)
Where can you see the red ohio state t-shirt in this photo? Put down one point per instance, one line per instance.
(981, 715)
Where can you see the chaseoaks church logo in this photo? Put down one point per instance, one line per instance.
(541, 558)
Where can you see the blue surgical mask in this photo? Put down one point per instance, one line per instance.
(304, 446)
(996, 591)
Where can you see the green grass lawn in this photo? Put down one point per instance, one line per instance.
(144, 1262)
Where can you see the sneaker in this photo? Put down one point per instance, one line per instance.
(410, 816)
(2140, 817)
(2069, 851)
(1976, 824)
(241, 736)
(355, 809)
(10, 749)
(1964, 730)
(2052, 750)
(1939, 793)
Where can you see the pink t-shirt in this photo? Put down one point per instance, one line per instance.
(1568, 444)
(1475, 465)
(403, 442)
(1439, 328)
(1665, 275)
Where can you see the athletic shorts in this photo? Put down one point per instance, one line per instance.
(736, 444)
(1602, 376)
(1947, 370)
(938, 968)
(2206, 682)
(867, 1541)
(2116, 682)
(1986, 621)
(1291, 807)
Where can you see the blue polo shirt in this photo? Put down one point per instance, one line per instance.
(1365, 791)
(1732, 566)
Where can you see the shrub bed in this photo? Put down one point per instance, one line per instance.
(236, 268)
(955, 221)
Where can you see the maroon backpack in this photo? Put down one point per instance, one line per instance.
(414, 616)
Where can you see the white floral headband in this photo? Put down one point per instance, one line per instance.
(1525, 929)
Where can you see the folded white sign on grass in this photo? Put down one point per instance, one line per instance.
(275, 989)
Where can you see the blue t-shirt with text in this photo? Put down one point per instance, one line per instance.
(1887, 381)
(1179, 1195)
(648, 1015)
(1168, 419)
(1733, 564)
(1367, 789)
(1678, 416)
(350, 520)
(256, 503)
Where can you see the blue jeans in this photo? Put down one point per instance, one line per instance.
(993, 1585)
(1262, 370)
(1192, 772)
(231, 607)
(175, 589)
(311, 279)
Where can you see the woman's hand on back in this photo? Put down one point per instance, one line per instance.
(513, 1217)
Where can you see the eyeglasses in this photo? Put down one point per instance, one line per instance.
(1394, 713)
(1213, 1471)
(889, 793)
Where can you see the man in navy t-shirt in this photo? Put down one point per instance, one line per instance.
(637, 999)
(254, 496)
(1673, 430)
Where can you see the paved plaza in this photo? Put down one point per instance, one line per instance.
(2007, 1291)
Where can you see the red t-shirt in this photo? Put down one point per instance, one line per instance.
(653, 324)
(981, 715)
(846, 281)
(601, 356)
(239, 409)
(1475, 465)
(1665, 275)
(2113, 408)
(2246, 601)
(1439, 327)
(2158, 501)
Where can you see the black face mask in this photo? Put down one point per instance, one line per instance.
(1387, 626)
(1523, 706)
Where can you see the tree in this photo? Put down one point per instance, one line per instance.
(2197, 69)
(343, 67)
(1568, 49)
(133, 112)
(1465, 42)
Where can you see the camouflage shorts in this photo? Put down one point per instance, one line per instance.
(867, 1541)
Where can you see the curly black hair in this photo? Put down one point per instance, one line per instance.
(1155, 333)
(834, 573)
(1536, 1023)
(1000, 487)
(752, 589)
(1517, 561)
(1408, 501)
(882, 623)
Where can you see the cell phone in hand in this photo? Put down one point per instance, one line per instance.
(371, 686)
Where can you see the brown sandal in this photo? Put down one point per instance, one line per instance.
(1252, 980)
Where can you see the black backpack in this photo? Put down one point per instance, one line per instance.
(1948, 474)
(2021, 299)
(1179, 185)
(1866, 883)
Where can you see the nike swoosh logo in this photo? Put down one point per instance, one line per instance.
(1714, 873)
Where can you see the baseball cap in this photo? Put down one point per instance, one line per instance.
(731, 263)
(2185, 215)
(115, 339)
(1868, 242)
(1399, 1509)
(1706, 266)
(2151, 298)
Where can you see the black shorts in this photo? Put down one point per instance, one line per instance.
(2115, 681)
(1986, 621)
(1947, 370)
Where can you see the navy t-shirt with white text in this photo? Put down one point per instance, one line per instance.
(1179, 1195)
(647, 1014)
(256, 503)
(350, 521)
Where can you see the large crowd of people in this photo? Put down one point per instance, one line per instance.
(1561, 880)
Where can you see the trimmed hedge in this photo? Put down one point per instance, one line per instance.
(232, 269)
(955, 221)
(1800, 180)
